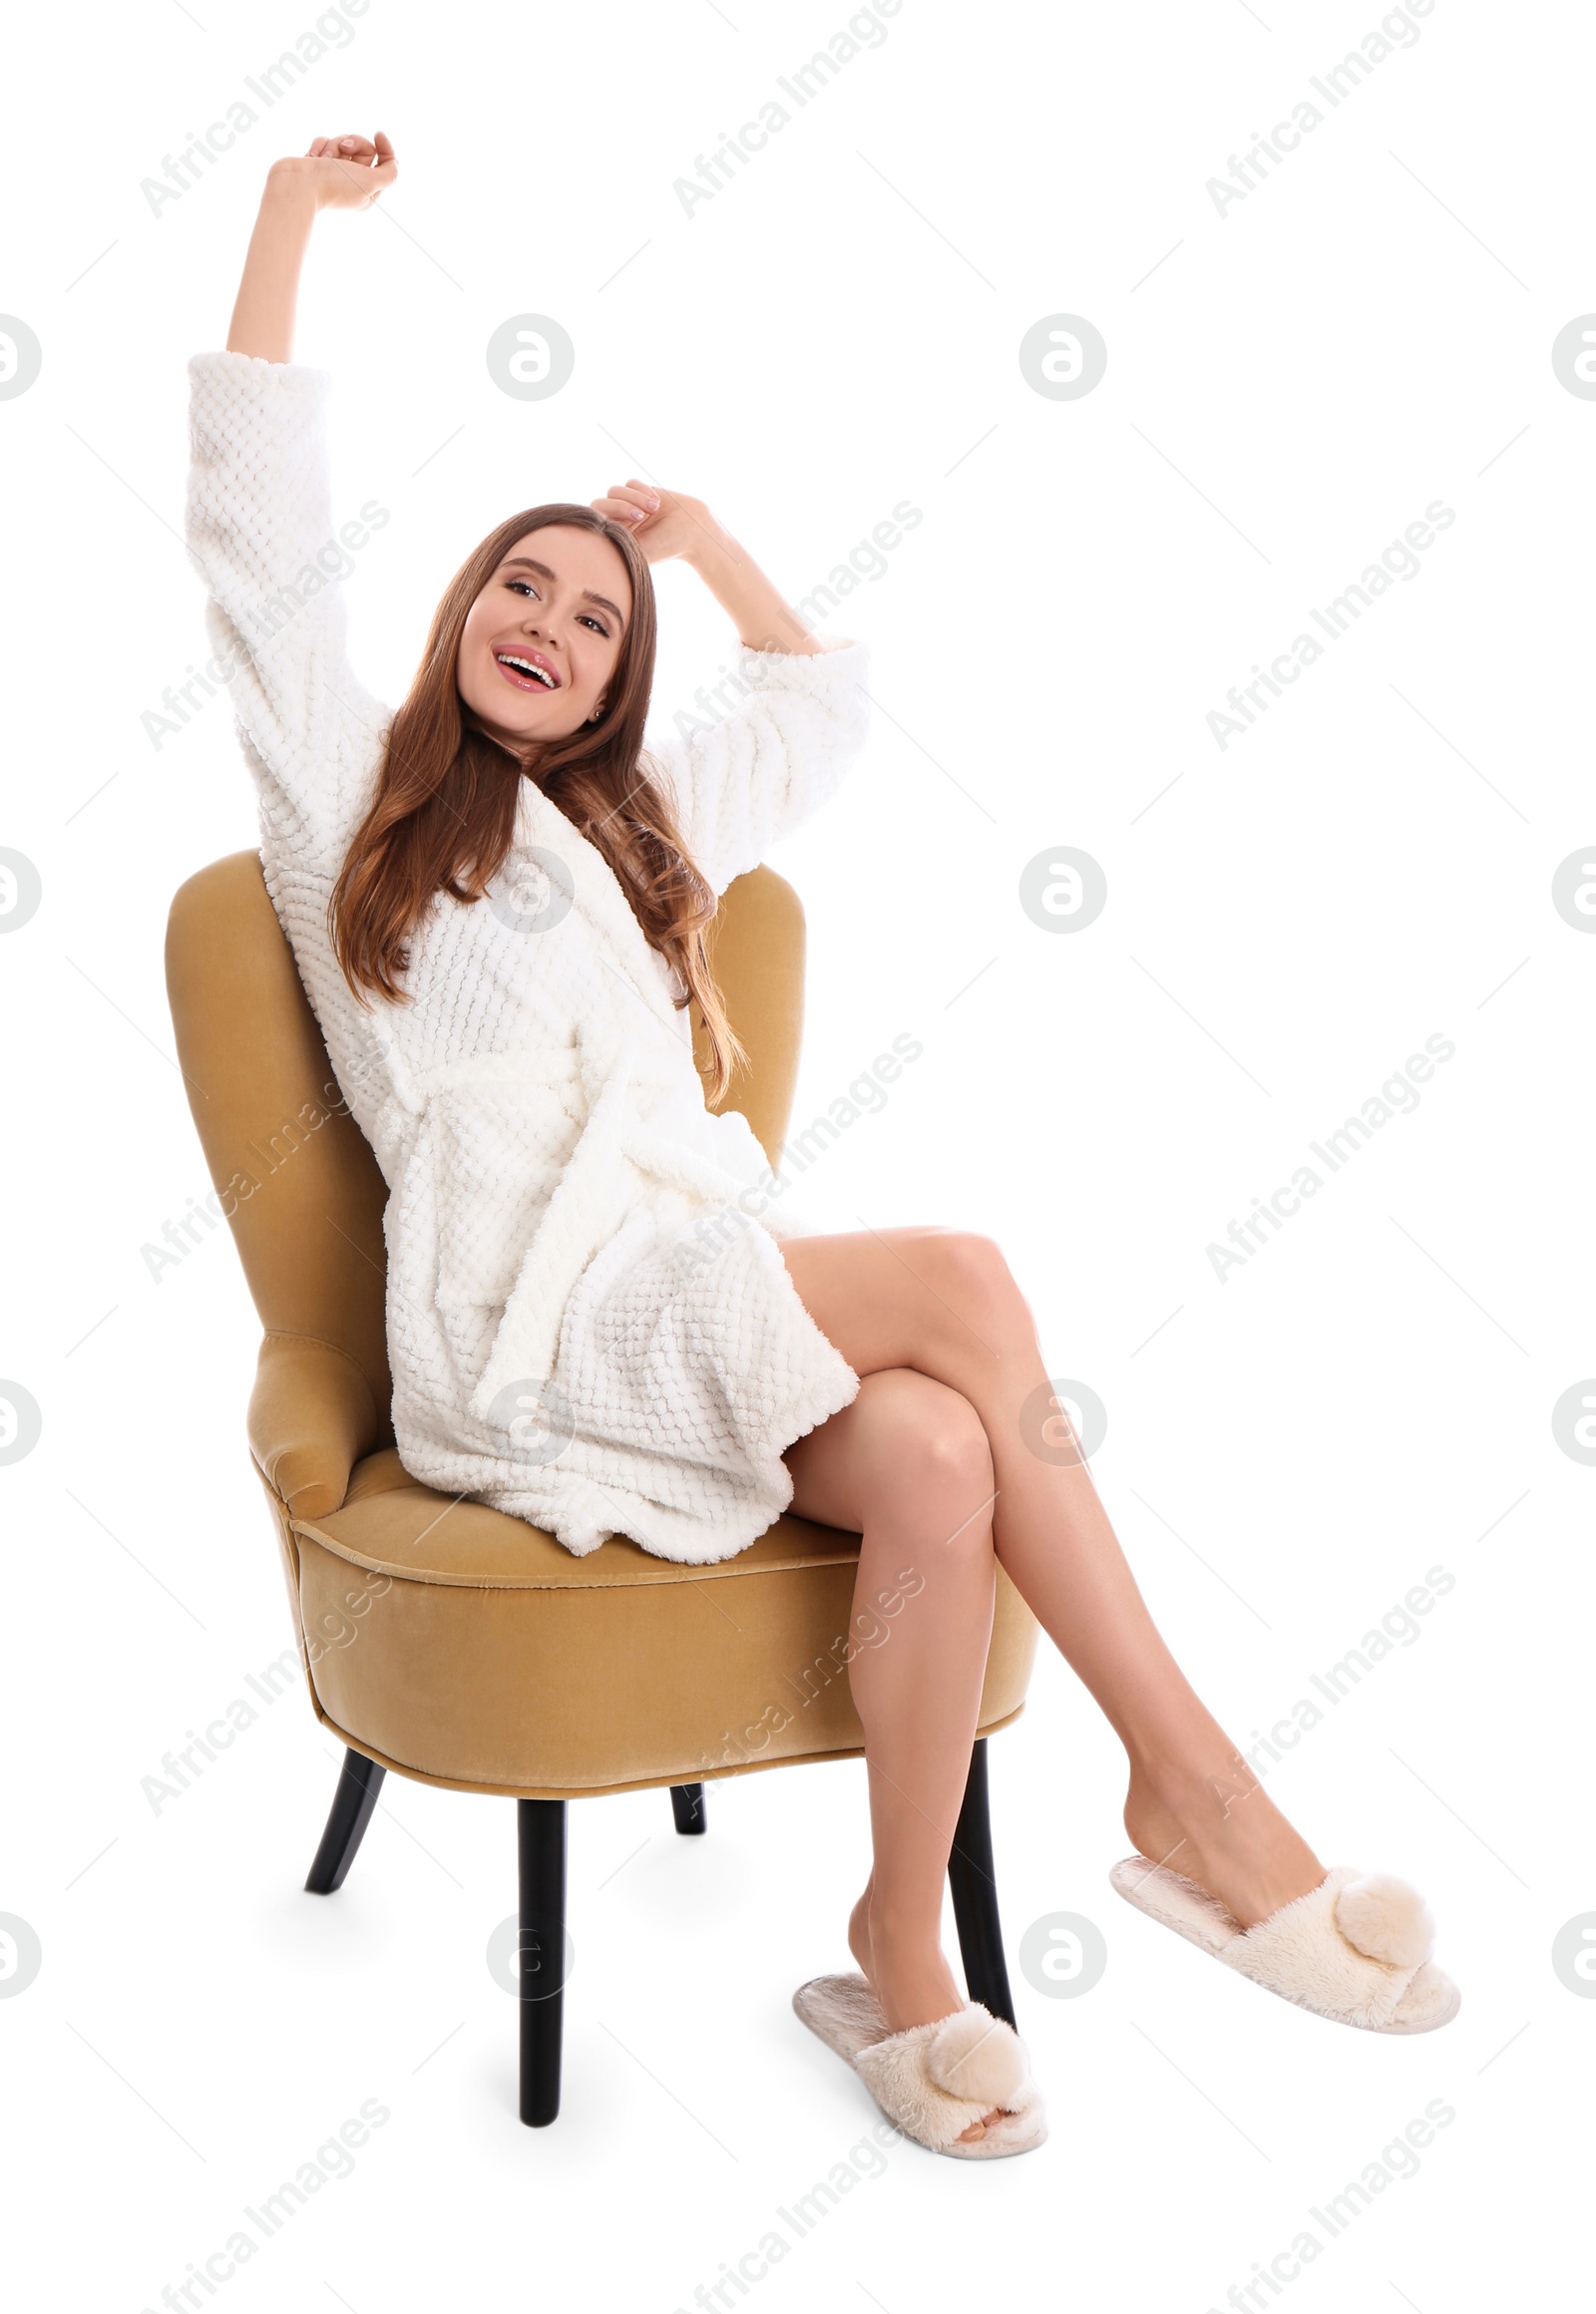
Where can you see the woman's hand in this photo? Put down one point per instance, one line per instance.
(337, 172)
(665, 523)
(342, 172)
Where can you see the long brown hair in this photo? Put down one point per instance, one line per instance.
(444, 813)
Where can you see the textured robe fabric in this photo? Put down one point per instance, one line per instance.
(587, 1326)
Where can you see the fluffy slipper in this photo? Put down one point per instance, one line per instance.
(1356, 1948)
(932, 2081)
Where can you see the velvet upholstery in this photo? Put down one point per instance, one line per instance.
(444, 1639)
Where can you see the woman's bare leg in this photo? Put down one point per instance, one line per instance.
(908, 1468)
(944, 1302)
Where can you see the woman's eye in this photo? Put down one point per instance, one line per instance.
(525, 586)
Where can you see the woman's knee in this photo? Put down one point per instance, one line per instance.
(969, 1273)
(933, 1459)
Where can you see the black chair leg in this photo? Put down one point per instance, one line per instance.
(687, 1806)
(352, 1803)
(540, 1846)
(974, 1894)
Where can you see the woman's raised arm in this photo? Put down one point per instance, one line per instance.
(337, 172)
(261, 530)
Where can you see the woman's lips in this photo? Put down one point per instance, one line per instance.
(521, 682)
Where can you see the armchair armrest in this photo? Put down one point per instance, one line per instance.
(312, 1415)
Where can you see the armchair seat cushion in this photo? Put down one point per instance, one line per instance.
(466, 1648)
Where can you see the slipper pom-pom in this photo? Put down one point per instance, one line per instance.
(975, 2055)
(1387, 1920)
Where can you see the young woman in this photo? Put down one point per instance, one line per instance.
(496, 902)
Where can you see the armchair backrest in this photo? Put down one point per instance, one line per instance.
(296, 1176)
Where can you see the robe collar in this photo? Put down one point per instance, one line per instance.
(541, 825)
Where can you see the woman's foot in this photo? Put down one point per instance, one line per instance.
(1221, 1829)
(910, 1987)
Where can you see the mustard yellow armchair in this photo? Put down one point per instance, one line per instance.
(446, 1640)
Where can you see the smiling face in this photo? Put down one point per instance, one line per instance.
(542, 641)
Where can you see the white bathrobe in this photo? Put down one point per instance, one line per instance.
(589, 1320)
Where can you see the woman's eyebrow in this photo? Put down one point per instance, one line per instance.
(525, 562)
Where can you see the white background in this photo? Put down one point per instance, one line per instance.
(1289, 385)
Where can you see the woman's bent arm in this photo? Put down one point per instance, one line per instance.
(763, 619)
(670, 526)
(799, 708)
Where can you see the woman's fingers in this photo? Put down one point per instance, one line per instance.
(631, 501)
(364, 150)
(614, 510)
(363, 168)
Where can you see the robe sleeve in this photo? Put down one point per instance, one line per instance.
(777, 757)
(260, 533)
